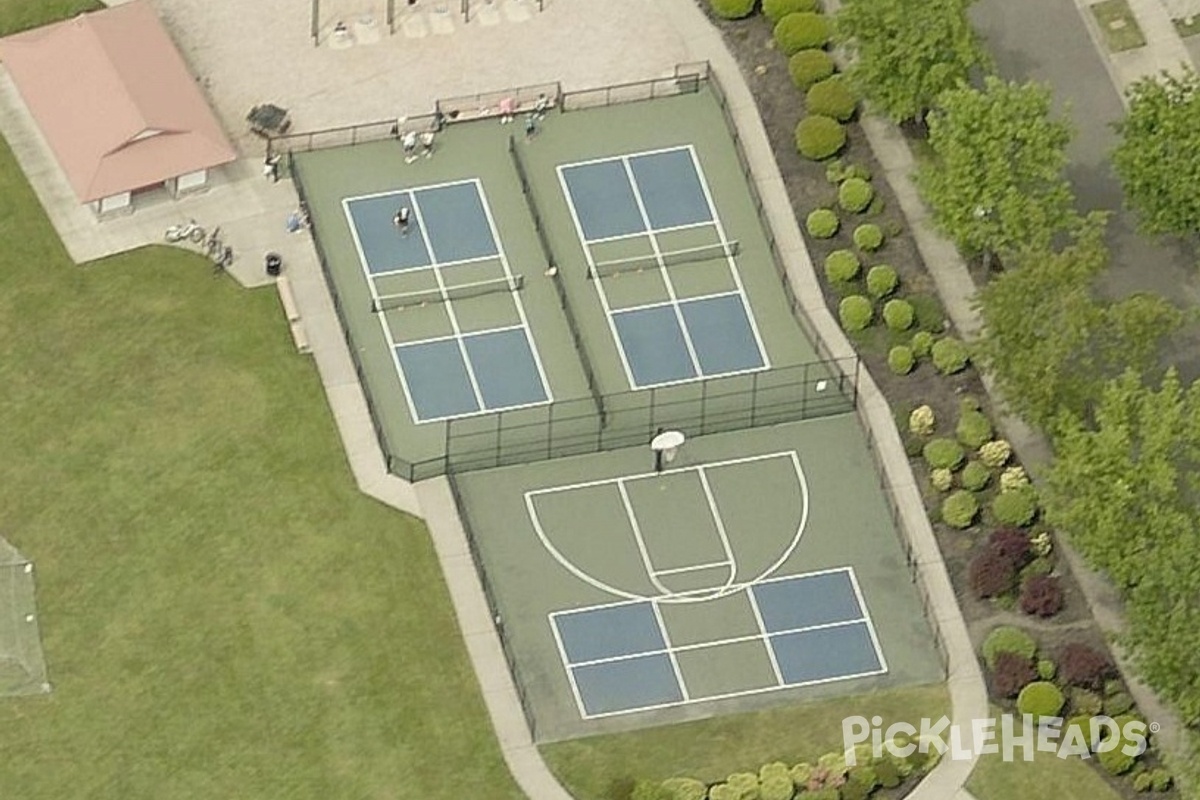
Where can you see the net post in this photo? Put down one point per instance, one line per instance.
(804, 394)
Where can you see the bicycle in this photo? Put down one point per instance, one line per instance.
(188, 231)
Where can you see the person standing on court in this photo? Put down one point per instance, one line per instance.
(409, 143)
(530, 126)
(401, 220)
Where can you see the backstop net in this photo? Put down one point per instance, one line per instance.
(22, 666)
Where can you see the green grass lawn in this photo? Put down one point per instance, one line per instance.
(606, 767)
(1120, 28)
(223, 614)
(1046, 776)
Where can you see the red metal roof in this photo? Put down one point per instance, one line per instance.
(115, 100)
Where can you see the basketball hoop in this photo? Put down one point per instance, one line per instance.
(665, 446)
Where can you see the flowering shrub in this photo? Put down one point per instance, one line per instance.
(1013, 478)
(922, 421)
(995, 454)
(1043, 544)
(942, 479)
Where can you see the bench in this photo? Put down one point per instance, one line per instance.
(288, 300)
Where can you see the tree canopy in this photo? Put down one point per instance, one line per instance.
(1049, 340)
(907, 52)
(998, 182)
(1156, 156)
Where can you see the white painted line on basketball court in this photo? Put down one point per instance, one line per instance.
(762, 626)
(666, 637)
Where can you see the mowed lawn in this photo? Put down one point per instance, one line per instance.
(223, 614)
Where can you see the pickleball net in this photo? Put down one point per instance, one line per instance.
(689, 255)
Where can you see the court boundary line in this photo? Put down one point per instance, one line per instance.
(762, 636)
(651, 233)
(435, 266)
(687, 597)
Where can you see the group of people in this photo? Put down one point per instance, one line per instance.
(508, 111)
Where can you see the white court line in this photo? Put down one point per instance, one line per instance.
(644, 306)
(666, 637)
(764, 638)
(449, 336)
(385, 193)
(562, 652)
(591, 263)
(691, 596)
(695, 568)
(669, 229)
(731, 260)
(662, 267)
(530, 341)
(720, 523)
(639, 540)
(426, 267)
(862, 604)
(671, 148)
(441, 283)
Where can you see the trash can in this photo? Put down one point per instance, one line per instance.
(274, 264)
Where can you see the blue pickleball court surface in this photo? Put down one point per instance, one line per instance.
(381, 245)
(671, 190)
(655, 340)
(438, 377)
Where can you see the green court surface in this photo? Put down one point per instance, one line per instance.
(758, 567)
(351, 192)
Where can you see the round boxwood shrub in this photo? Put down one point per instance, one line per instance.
(832, 97)
(822, 223)
(868, 237)
(949, 355)
(1007, 639)
(1016, 507)
(1118, 704)
(855, 312)
(1046, 669)
(975, 476)
(732, 9)
(776, 787)
(803, 30)
(959, 509)
(943, 454)
(819, 138)
(991, 575)
(685, 788)
(808, 67)
(778, 9)
(922, 344)
(855, 194)
(900, 358)
(1040, 699)
(973, 429)
(898, 314)
(1116, 761)
(842, 266)
(881, 281)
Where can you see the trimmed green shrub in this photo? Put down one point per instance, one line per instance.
(975, 476)
(898, 315)
(943, 454)
(1084, 702)
(921, 421)
(778, 9)
(959, 509)
(949, 355)
(974, 429)
(803, 30)
(732, 9)
(1038, 566)
(995, 454)
(1016, 507)
(1113, 686)
(842, 266)
(808, 67)
(832, 97)
(819, 138)
(822, 223)
(854, 195)
(857, 171)
(1160, 779)
(685, 788)
(855, 312)
(1040, 699)
(1007, 639)
(900, 358)
(1120, 703)
(835, 170)
(1116, 761)
(922, 342)
(881, 281)
(828, 793)
(801, 773)
(941, 479)
(1046, 669)
(775, 787)
(887, 773)
(745, 784)
(868, 237)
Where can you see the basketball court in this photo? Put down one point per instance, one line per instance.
(748, 568)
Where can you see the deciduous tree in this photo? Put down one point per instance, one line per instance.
(908, 51)
(1156, 157)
